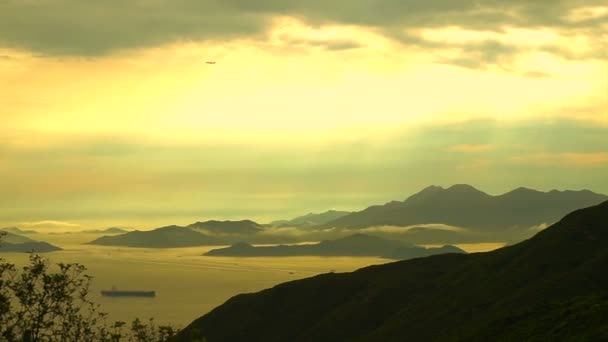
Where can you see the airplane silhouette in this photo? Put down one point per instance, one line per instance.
(210, 62)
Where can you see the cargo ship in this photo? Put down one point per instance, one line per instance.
(124, 293)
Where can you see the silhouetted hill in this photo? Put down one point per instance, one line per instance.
(18, 231)
(354, 245)
(405, 253)
(311, 219)
(548, 288)
(26, 247)
(11, 242)
(228, 227)
(111, 230)
(8, 236)
(164, 237)
(464, 206)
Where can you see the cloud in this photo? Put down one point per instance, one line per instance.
(73, 27)
(132, 180)
(539, 227)
(50, 225)
(471, 148)
(331, 45)
(92, 28)
(587, 13)
(482, 54)
(401, 230)
(338, 45)
(566, 159)
(536, 74)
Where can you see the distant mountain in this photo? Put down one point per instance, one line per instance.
(26, 247)
(9, 236)
(311, 219)
(354, 245)
(405, 253)
(19, 231)
(552, 287)
(111, 230)
(11, 242)
(228, 227)
(164, 237)
(464, 206)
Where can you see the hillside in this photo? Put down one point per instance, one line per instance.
(164, 237)
(550, 287)
(354, 245)
(464, 206)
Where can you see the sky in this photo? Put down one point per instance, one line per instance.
(110, 115)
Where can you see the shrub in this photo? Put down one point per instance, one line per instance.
(46, 303)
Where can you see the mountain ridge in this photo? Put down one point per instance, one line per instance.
(353, 245)
(163, 237)
(310, 219)
(462, 205)
(228, 227)
(543, 288)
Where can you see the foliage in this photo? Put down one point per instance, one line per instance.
(44, 302)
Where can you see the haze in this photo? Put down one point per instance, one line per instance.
(190, 151)
(111, 115)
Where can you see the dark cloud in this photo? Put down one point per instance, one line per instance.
(75, 27)
(599, 52)
(338, 45)
(480, 55)
(332, 45)
(85, 27)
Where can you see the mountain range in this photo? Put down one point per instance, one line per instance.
(164, 237)
(310, 219)
(548, 288)
(354, 245)
(458, 214)
(462, 205)
(227, 227)
(111, 230)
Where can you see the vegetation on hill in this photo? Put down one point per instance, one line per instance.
(44, 302)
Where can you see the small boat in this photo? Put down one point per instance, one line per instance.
(124, 293)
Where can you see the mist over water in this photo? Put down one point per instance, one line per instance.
(187, 284)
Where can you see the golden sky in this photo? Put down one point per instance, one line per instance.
(110, 114)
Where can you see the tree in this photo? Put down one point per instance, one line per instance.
(44, 302)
